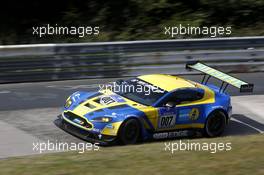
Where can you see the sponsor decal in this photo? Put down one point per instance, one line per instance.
(188, 114)
(167, 118)
(166, 135)
(105, 100)
(183, 115)
(78, 121)
(76, 96)
(214, 107)
(194, 114)
(167, 121)
(96, 130)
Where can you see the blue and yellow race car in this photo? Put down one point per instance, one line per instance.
(151, 107)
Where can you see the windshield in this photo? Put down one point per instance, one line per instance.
(140, 91)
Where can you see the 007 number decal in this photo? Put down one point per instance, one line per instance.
(167, 121)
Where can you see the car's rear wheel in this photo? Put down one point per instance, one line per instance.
(129, 132)
(215, 124)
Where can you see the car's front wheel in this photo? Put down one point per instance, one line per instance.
(129, 132)
(215, 124)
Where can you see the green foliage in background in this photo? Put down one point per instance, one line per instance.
(127, 19)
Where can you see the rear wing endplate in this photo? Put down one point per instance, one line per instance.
(225, 78)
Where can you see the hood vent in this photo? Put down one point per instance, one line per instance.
(89, 105)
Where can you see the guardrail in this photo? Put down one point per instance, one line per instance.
(45, 62)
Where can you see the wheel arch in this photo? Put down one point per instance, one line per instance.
(137, 118)
(218, 109)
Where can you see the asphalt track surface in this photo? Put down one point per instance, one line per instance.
(27, 111)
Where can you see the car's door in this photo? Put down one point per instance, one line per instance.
(179, 110)
(188, 111)
(167, 118)
(167, 113)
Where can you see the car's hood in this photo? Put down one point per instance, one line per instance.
(103, 103)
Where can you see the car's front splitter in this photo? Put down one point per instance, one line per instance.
(83, 134)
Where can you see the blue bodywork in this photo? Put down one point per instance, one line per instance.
(122, 112)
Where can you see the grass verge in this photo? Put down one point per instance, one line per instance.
(245, 157)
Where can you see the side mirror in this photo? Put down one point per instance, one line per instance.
(170, 104)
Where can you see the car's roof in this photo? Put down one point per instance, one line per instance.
(166, 82)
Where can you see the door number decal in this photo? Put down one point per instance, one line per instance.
(167, 121)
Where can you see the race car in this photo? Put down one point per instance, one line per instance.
(151, 107)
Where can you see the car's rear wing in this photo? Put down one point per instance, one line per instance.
(225, 78)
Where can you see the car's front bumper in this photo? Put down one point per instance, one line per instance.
(84, 134)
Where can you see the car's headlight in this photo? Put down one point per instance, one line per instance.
(102, 119)
(68, 103)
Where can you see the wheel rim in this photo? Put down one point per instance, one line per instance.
(215, 124)
(131, 131)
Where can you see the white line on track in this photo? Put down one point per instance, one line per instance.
(259, 130)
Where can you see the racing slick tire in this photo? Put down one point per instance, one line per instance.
(129, 132)
(215, 124)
